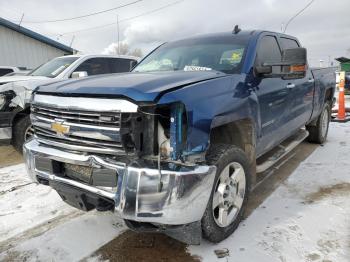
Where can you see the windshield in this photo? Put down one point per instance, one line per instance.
(54, 67)
(223, 54)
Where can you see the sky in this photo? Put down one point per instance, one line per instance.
(323, 28)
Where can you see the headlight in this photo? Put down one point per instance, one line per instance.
(2, 100)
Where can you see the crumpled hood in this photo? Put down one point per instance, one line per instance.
(137, 86)
(23, 89)
(9, 79)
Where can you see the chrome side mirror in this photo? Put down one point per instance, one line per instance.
(79, 74)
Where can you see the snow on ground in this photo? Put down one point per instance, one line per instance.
(306, 219)
(35, 220)
(25, 205)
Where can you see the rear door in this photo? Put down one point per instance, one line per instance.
(274, 96)
(302, 91)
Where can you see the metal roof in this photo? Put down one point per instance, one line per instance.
(34, 35)
(343, 59)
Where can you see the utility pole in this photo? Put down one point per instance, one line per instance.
(71, 42)
(20, 22)
(294, 16)
(118, 41)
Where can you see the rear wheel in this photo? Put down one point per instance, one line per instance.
(230, 192)
(318, 133)
(22, 131)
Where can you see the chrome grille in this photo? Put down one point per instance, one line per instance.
(84, 129)
(78, 117)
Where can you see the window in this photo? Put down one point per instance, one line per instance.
(94, 66)
(120, 65)
(288, 43)
(5, 71)
(54, 67)
(220, 53)
(269, 51)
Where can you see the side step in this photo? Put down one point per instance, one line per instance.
(269, 159)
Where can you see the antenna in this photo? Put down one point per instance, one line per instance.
(236, 30)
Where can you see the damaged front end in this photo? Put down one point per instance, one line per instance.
(14, 99)
(113, 154)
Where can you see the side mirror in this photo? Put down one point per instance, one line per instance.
(294, 63)
(79, 74)
(263, 70)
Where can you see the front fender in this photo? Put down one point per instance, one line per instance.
(213, 103)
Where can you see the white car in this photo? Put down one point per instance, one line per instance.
(15, 91)
(5, 70)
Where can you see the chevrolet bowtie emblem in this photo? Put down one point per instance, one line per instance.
(59, 128)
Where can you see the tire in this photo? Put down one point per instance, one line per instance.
(318, 133)
(232, 159)
(21, 132)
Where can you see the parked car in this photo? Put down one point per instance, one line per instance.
(20, 73)
(15, 91)
(176, 145)
(4, 70)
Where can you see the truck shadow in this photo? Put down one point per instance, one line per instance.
(131, 246)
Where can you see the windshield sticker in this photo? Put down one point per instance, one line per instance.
(196, 68)
(58, 70)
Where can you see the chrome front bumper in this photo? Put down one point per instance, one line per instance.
(174, 198)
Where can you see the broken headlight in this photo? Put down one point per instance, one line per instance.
(2, 100)
(172, 130)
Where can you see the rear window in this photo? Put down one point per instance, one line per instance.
(288, 43)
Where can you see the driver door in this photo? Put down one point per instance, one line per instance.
(275, 97)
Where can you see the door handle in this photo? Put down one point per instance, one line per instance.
(311, 80)
(290, 85)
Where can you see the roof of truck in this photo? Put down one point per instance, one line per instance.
(103, 55)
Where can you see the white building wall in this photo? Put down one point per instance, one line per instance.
(17, 49)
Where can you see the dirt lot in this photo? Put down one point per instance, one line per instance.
(9, 156)
(271, 231)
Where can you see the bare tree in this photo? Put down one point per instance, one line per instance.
(136, 52)
(123, 49)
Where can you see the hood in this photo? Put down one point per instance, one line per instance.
(141, 87)
(8, 79)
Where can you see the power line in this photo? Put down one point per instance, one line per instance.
(294, 16)
(122, 20)
(82, 16)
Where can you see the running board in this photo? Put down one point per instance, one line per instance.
(276, 154)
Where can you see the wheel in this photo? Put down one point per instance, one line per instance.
(229, 195)
(22, 131)
(318, 133)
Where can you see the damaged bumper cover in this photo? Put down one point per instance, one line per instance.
(5, 126)
(176, 197)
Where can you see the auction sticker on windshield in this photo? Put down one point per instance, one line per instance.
(196, 68)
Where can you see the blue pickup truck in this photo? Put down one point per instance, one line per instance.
(176, 145)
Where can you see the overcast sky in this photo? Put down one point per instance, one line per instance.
(324, 28)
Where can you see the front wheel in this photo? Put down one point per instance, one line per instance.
(318, 133)
(22, 131)
(229, 195)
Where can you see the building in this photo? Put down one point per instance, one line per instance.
(344, 63)
(22, 47)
